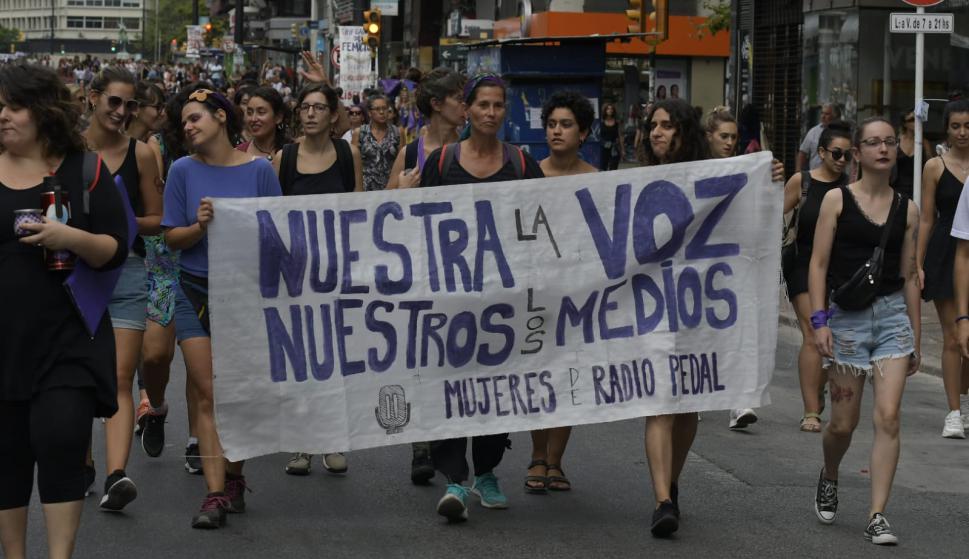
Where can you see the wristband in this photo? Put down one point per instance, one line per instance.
(819, 319)
(961, 318)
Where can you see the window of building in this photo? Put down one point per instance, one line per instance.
(132, 23)
(112, 22)
(131, 3)
(95, 2)
(75, 2)
(93, 23)
(75, 21)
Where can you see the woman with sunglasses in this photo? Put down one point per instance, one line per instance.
(357, 117)
(318, 164)
(378, 143)
(266, 121)
(55, 377)
(904, 173)
(942, 184)
(210, 125)
(480, 158)
(113, 102)
(879, 343)
(804, 192)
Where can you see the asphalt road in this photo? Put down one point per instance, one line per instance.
(743, 494)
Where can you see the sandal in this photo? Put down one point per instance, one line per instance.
(809, 426)
(537, 485)
(563, 483)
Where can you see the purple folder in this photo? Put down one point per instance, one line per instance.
(91, 289)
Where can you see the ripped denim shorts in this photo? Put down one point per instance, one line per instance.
(865, 338)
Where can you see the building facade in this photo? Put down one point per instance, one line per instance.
(74, 26)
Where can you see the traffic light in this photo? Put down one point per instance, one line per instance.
(114, 45)
(294, 31)
(658, 21)
(371, 29)
(637, 16)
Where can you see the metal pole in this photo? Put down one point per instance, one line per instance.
(157, 36)
(240, 34)
(52, 26)
(195, 12)
(919, 76)
(314, 30)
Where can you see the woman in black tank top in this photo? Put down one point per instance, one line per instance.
(880, 342)
(112, 99)
(318, 164)
(941, 187)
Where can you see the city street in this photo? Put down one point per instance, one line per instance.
(743, 494)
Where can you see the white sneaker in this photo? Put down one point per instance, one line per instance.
(964, 405)
(739, 419)
(953, 426)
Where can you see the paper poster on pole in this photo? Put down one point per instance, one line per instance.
(358, 320)
(356, 73)
(194, 43)
(386, 7)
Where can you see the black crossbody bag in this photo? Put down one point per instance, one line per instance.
(860, 290)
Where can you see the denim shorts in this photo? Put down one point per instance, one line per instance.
(129, 302)
(187, 323)
(862, 339)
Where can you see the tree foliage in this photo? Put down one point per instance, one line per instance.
(9, 35)
(719, 19)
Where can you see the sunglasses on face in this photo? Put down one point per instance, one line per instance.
(837, 154)
(355, 113)
(130, 105)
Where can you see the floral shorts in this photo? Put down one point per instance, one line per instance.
(162, 265)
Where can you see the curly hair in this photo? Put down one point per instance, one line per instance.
(275, 100)
(173, 133)
(52, 107)
(689, 141)
(574, 101)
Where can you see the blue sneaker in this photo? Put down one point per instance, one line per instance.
(486, 487)
(454, 504)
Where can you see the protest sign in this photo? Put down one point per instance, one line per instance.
(356, 72)
(358, 320)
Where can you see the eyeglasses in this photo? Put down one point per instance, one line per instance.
(317, 107)
(890, 141)
(130, 105)
(157, 106)
(355, 113)
(838, 153)
(378, 109)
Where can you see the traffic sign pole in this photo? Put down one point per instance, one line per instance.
(919, 76)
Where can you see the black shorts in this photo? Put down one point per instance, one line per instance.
(796, 279)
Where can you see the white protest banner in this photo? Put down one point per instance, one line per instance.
(194, 42)
(357, 320)
(355, 62)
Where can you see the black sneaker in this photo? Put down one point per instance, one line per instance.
(879, 532)
(89, 475)
(675, 498)
(193, 459)
(826, 499)
(212, 513)
(421, 468)
(235, 492)
(153, 434)
(665, 520)
(118, 492)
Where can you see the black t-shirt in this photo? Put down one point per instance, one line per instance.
(43, 341)
(458, 175)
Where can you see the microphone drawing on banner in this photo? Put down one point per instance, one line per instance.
(392, 411)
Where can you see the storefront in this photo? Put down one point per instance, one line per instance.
(851, 58)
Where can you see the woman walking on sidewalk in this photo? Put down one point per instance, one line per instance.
(803, 194)
(942, 184)
(864, 256)
(210, 124)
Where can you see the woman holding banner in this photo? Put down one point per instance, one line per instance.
(55, 376)
(210, 126)
(481, 158)
(864, 262)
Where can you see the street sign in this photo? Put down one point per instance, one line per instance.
(335, 56)
(922, 23)
(386, 7)
(923, 3)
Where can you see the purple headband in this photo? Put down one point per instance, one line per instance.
(477, 80)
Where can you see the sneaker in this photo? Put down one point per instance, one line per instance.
(665, 520)
(193, 459)
(739, 419)
(299, 464)
(89, 475)
(421, 468)
(953, 428)
(964, 410)
(118, 492)
(235, 491)
(153, 431)
(486, 488)
(454, 504)
(826, 499)
(140, 414)
(675, 498)
(879, 532)
(212, 513)
(335, 463)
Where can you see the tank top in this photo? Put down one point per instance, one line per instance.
(128, 171)
(857, 237)
(947, 193)
(809, 212)
(609, 133)
(903, 176)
